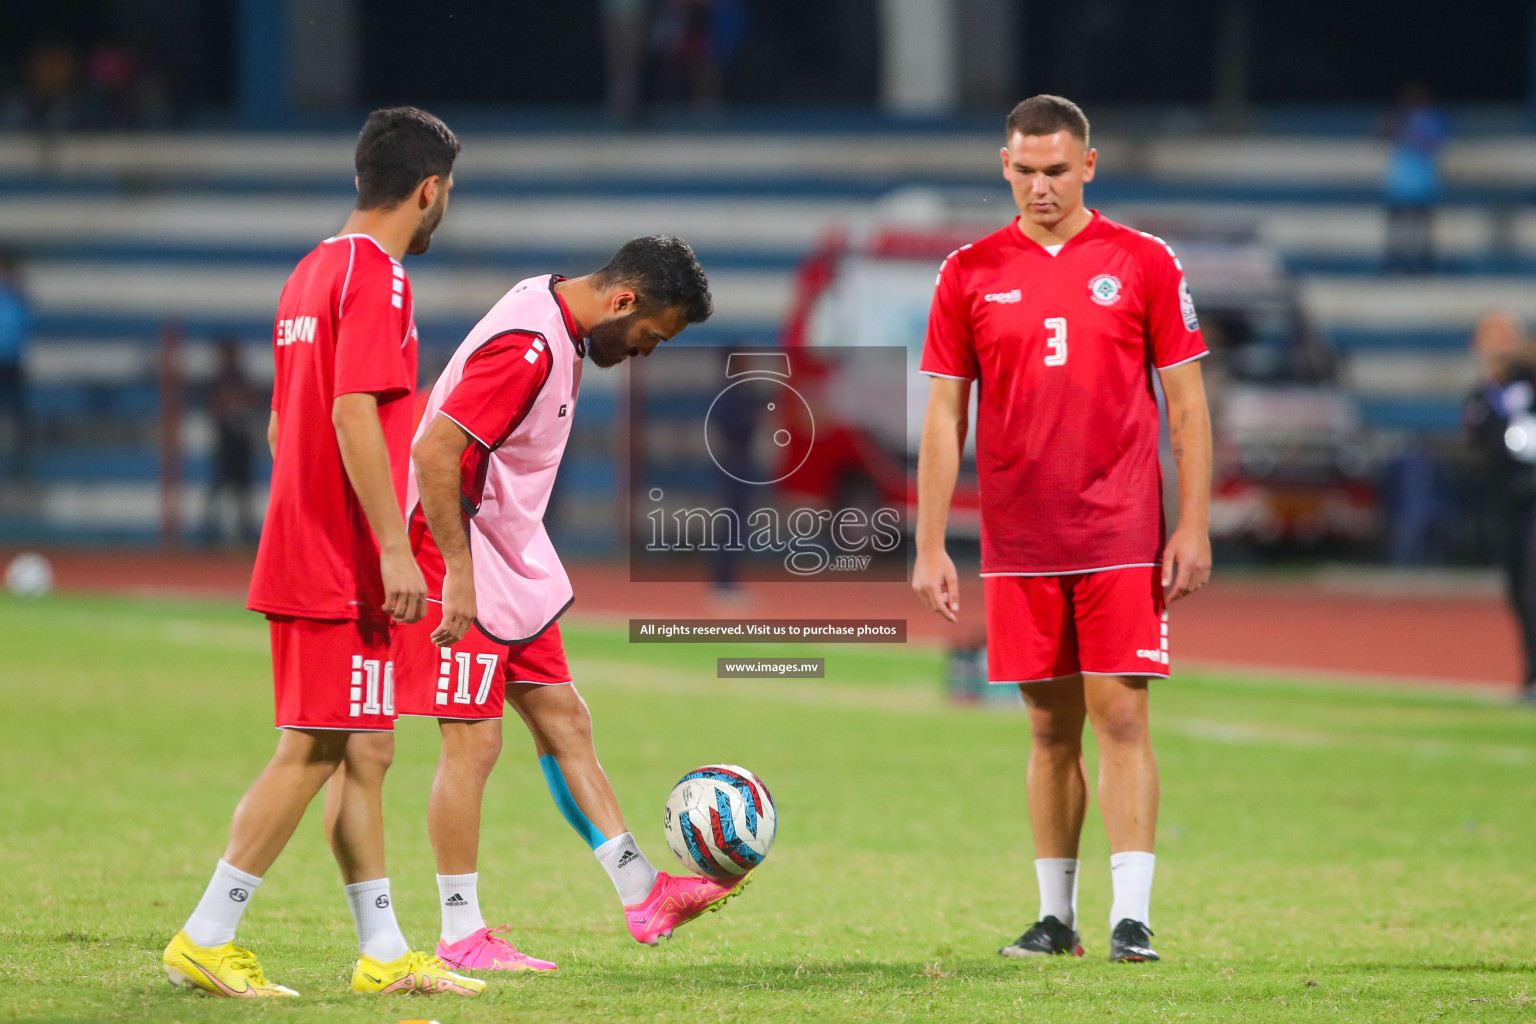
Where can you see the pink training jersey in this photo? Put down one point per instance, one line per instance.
(512, 386)
(1063, 348)
(344, 326)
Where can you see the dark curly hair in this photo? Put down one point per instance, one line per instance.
(397, 150)
(664, 274)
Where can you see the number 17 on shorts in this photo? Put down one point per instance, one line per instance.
(465, 678)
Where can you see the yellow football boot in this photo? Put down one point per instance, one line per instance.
(225, 970)
(413, 972)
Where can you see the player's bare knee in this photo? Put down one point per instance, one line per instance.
(561, 720)
(473, 746)
(370, 753)
(1121, 724)
(1055, 737)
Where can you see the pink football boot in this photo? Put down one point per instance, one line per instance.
(486, 950)
(676, 900)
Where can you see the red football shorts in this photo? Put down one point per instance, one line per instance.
(469, 680)
(332, 674)
(1112, 622)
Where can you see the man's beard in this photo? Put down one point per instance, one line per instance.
(421, 241)
(608, 343)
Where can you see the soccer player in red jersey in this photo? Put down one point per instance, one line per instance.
(483, 466)
(335, 565)
(1063, 319)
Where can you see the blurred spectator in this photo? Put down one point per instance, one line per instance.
(127, 91)
(52, 97)
(624, 47)
(15, 323)
(1416, 131)
(1500, 417)
(233, 405)
(697, 40)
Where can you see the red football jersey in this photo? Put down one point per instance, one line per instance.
(344, 326)
(1062, 348)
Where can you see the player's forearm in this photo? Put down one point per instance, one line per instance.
(365, 456)
(938, 467)
(272, 433)
(1189, 432)
(437, 480)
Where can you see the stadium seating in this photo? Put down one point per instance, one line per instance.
(126, 237)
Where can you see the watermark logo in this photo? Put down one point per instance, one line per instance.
(769, 465)
(760, 391)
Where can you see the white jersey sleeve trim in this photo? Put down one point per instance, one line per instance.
(1181, 362)
(483, 442)
(351, 258)
(364, 234)
(946, 376)
(1076, 572)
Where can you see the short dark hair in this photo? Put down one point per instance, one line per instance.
(1046, 115)
(664, 274)
(397, 150)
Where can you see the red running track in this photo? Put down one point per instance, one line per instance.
(1247, 623)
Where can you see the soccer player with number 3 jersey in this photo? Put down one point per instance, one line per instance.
(1066, 321)
(335, 569)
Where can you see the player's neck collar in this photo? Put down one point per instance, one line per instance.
(579, 342)
(363, 234)
(1088, 229)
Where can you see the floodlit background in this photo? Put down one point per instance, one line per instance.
(165, 162)
(1350, 185)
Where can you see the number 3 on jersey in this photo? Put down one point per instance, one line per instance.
(1057, 342)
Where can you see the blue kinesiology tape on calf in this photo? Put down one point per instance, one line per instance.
(555, 779)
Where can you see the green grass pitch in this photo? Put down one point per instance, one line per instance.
(1325, 853)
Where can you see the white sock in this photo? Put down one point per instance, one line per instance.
(218, 913)
(628, 870)
(1058, 888)
(1131, 875)
(378, 934)
(460, 905)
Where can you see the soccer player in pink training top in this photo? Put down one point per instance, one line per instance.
(484, 461)
(335, 566)
(1063, 318)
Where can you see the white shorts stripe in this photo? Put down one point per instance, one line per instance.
(1076, 572)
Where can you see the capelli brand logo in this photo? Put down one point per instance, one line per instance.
(1006, 298)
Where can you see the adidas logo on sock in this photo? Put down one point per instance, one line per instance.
(629, 855)
(455, 901)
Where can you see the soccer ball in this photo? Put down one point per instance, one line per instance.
(29, 575)
(720, 821)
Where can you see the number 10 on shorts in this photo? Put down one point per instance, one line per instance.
(373, 686)
(464, 661)
(1057, 342)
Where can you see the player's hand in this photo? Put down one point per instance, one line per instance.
(458, 608)
(405, 590)
(937, 584)
(1186, 562)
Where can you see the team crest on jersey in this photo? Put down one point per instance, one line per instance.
(1187, 306)
(1105, 289)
